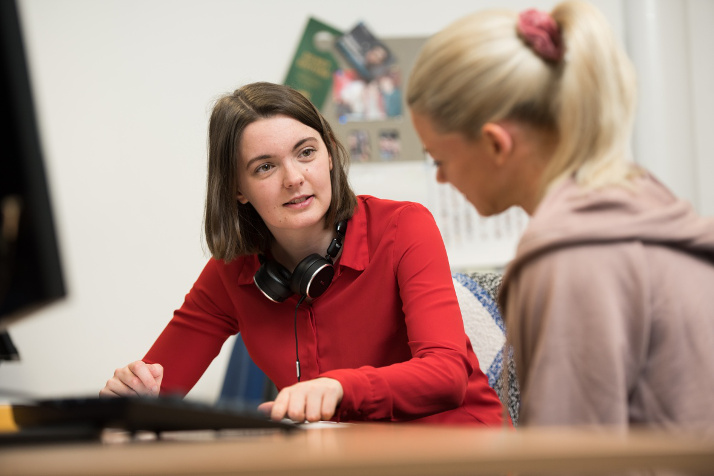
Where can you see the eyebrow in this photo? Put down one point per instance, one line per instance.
(297, 145)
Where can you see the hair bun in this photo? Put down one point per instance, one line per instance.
(540, 31)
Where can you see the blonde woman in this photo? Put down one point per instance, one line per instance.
(608, 300)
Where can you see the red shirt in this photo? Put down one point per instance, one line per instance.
(389, 327)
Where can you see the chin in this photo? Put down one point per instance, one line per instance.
(487, 210)
(484, 213)
(309, 220)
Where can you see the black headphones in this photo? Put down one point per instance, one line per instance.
(311, 278)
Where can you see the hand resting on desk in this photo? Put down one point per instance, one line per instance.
(137, 378)
(312, 401)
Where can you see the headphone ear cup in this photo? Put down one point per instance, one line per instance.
(312, 276)
(273, 280)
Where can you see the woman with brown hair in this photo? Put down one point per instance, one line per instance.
(385, 342)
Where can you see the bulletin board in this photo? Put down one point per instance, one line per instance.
(357, 80)
(385, 133)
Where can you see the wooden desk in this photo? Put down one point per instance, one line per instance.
(373, 450)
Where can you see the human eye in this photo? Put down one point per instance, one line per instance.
(307, 152)
(430, 157)
(263, 168)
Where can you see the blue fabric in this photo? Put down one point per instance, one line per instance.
(484, 297)
(245, 383)
(485, 286)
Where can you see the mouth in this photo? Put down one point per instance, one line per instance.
(299, 200)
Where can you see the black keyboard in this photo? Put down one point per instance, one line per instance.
(89, 416)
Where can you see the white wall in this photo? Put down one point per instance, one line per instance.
(123, 90)
(699, 17)
(667, 40)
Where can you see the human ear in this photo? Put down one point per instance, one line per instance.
(241, 198)
(499, 141)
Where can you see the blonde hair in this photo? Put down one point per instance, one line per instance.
(478, 70)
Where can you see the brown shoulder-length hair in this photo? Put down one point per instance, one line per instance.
(233, 229)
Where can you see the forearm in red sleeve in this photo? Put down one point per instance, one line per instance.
(195, 334)
(436, 377)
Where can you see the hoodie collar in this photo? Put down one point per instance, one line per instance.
(648, 212)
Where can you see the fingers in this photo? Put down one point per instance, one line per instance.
(279, 409)
(265, 408)
(147, 384)
(329, 405)
(137, 378)
(311, 401)
(116, 388)
(157, 371)
(313, 409)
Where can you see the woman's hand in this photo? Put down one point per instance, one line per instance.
(311, 401)
(137, 378)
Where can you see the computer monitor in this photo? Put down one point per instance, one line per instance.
(30, 268)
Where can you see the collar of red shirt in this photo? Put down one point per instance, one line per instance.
(355, 252)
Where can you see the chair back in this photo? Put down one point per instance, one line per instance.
(484, 325)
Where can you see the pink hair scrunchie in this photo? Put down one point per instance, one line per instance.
(540, 31)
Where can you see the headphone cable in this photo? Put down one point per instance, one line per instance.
(297, 356)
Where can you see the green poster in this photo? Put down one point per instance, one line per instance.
(313, 64)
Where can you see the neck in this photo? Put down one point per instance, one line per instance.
(536, 147)
(289, 249)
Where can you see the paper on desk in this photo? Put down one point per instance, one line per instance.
(323, 424)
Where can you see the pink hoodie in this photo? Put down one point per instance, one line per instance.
(609, 305)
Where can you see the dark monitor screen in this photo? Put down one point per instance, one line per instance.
(30, 268)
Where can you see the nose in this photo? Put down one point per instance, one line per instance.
(293, 175)
(440, 177)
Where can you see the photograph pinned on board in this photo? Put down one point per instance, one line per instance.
(355, 99)
(359, 145)
(370, 57)
(390, 146)
(370, 88)
(313, 63)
